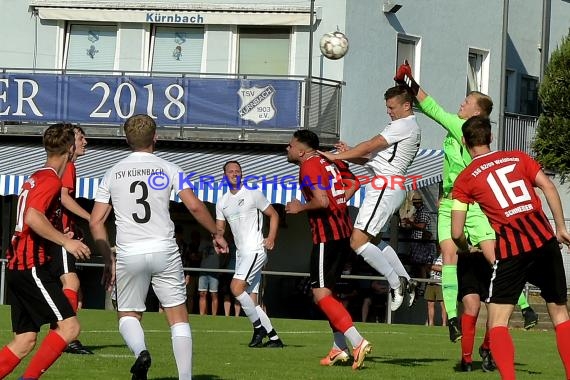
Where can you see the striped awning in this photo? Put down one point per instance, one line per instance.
(201, 165)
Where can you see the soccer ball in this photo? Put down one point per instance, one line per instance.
(334, 45)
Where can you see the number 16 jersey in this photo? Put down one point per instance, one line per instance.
(503, 184)
(139, 188)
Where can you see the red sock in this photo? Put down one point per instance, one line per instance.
(50, 349)
(468, 324)
(503, 351)
(486, 345)
(8, 361)
(563, 343)
(338, 317)
(72, 297)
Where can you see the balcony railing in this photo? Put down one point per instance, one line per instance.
(520, 131)
(187, 106)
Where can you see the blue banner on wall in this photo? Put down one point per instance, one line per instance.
(99, 99)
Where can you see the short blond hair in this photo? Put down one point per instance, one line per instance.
(140, 131)
(484, 102)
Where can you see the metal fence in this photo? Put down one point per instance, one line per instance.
(520, 131)
(324, 108)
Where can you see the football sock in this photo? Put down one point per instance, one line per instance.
(182, 348)
(486, 345)
(71, 295)
(393, 259)
(339, 340)
(449, 288)
(248, 307)
(522, 302)
(468, 323)
(133, 334)
(374, 257)
(8, 361)
(50, 349)
(563, 343)
(336, 313)
(353, 336)
(266, 322)
(503, 351)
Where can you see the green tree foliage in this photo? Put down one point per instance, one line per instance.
(552, 141)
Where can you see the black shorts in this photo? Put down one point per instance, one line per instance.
(327, 261)
(473, 275)
(36, 299)
(62, 262)
(542, 267)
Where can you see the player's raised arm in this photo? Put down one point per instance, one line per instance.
(553, 199)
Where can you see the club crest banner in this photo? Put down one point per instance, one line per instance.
(109, 100)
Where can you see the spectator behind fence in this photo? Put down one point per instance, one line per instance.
(375, 299)
(422, 248)
(192, 259)
(434, 293)
(208, 282)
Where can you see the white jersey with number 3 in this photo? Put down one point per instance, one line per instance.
(139, 188)
(244, 212)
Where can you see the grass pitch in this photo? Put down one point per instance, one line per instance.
(221, 352)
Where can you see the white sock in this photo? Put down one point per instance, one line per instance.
(339, 341)
(392, 258)
(133, 334)
(248, 307)
(182, 348)
(265, 322)
(374, 257)
(353, 336)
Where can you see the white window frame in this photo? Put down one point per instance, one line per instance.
(417, 42)
(483, 73)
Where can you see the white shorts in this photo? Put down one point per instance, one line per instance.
(249, 267)
(134, 274)
(377, 208)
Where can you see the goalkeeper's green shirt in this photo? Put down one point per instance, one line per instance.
(455, 155)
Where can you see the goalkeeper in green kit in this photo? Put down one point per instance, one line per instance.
(456, 158)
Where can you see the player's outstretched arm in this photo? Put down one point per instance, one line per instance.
(99, 215)
(360, 151)
(553, 199)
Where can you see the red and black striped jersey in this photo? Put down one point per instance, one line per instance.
(68, 180)
(503, 184)
(333, 222)
(41, 191)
